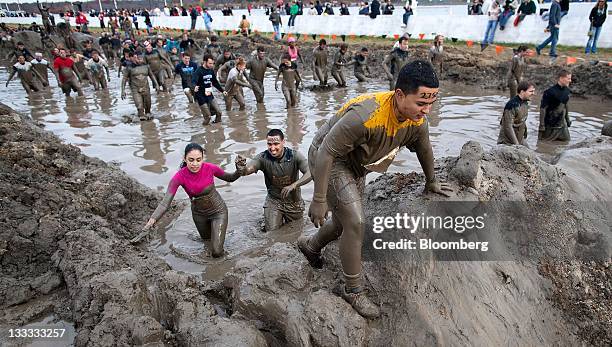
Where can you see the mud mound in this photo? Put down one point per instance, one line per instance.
(524, 295)
(65, 222)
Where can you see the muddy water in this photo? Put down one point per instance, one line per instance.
(152, 151)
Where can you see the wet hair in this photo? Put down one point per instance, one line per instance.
(240, 61)
(20, 43)
(322, 42)
(186, 55)
(343, 46)
(206, 57)
(418, 73)
(364, 49)
(521, 48)
(191, 147)
(95, 51)
(524, 85)
(243, 16)
(214, 38)
(276, 132)
(563, 73)
(286, 56)
(261, 49)
(403, 38)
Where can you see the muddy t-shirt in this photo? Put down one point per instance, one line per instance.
(282, 172)
(366, 130)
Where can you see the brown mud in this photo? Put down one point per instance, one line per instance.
(461, 64)
(67, 219)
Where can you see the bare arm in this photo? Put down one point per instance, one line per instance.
(153, 79)
(385, 65)
(11, 76)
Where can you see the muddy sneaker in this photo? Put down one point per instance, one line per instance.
(314, 258)
(362, 304)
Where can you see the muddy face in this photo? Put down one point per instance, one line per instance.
(276, 146)
(414, 106)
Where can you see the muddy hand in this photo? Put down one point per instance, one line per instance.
(240, 163)
(439, 188)
(286, 190)
(317, 213)
(149, 224)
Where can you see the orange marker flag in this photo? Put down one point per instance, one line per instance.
(421, 36)
(469, 43)
(571, 60)
(352, 36)
(499, 49)
(333, 37)
(322, 36)
(396, 36)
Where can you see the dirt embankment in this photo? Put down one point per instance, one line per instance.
(461, 64)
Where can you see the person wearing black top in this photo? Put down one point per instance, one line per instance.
(185, 69)
(374, 9)
(187, 45)
(194, 17)
(203, 80)
(554, 114)
(597, 18)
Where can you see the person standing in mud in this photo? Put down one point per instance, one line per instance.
(156, 62)
(31, 80)
(44, 13)
(97, 67)
(554, 113)
(236, 79)
(436, 53)
(257, 67)
(222, 60)
(517, 66)
(364, 136)
(213, 48)
(361, 65)
(41, 66)
(319, 62)
(187, 45)
(208, 209)
(395, 60)
(338, 63)
(294, 51)
(87, 49)
(203, 80)
(137, 75)
(79, 64)
(281, 167)
(291, 80)
(513, 124)
(20, 49)
(185, 69)
(69, 76)
(107, 46)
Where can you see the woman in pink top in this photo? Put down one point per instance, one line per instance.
(207, 207)
(293, 51)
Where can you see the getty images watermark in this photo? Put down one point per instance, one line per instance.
(453, 228)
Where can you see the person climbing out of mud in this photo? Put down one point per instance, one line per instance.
(203, 80)
(319, 62)
(136, 74)
(31, 80)
(208, 209)
(395, 60)
(554, 114)
(513, 124)
(68, 74)
(517, 67)
(291, 80)
(364, 136)
(281, 167)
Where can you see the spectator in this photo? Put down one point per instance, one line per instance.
(276, 20)
(184, 12)
(147, 21)
(597, 18)
(101, 18)
(407, 13)
(374, 9)
(564, 7)
(287, 9)
(527, 7)
(508, 11)
(319, 8)
(207, 20)
(493, 13)
(475, 8)
(554, 22)
(82, 21)
(135, 20)
(364, 9)
(244, 26)
(312, 11)
(193, 13)
(389, 8)
(329, 10)
(344, 11)
(293, 12)
(249, 8)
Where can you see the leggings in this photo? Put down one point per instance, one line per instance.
(210, 217)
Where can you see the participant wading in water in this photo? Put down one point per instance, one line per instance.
(281, 167)
(395, 60)
(208, 209)
(156, 62)
(291, 80)
(513, 126)
(185, 69)
(31, 80)
(361, 65)
(554, 114)
(257, 67)
(68, 74)
(41, 66)
(236, 79)
(363, 136)
(517, 67)
(436, 53)
(213, 48)
(97, 66)
(203, 80)
(337, 65)
(319, 62)
(137, 75)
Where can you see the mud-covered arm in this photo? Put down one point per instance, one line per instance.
(303, 166)
(39, 76)
(298, 78)
(567, 117)
(252, 166)
(424, 153)
(162, 207)
(240, 80)
(506, 124)
(76, 72)
(543, 110)
(124, 81)
(13, 72)
(276, 79)
(107, 71)
(270, 64)
(386, 63)
(216, 84)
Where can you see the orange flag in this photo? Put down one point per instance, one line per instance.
(470, 43)
(421, 36)
(571, 60)
(352, 36)
(333, 37)
(499, 49)
(396, 36)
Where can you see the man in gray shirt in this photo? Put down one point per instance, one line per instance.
(281, 167)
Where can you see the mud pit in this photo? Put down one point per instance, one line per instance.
(67, 218)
